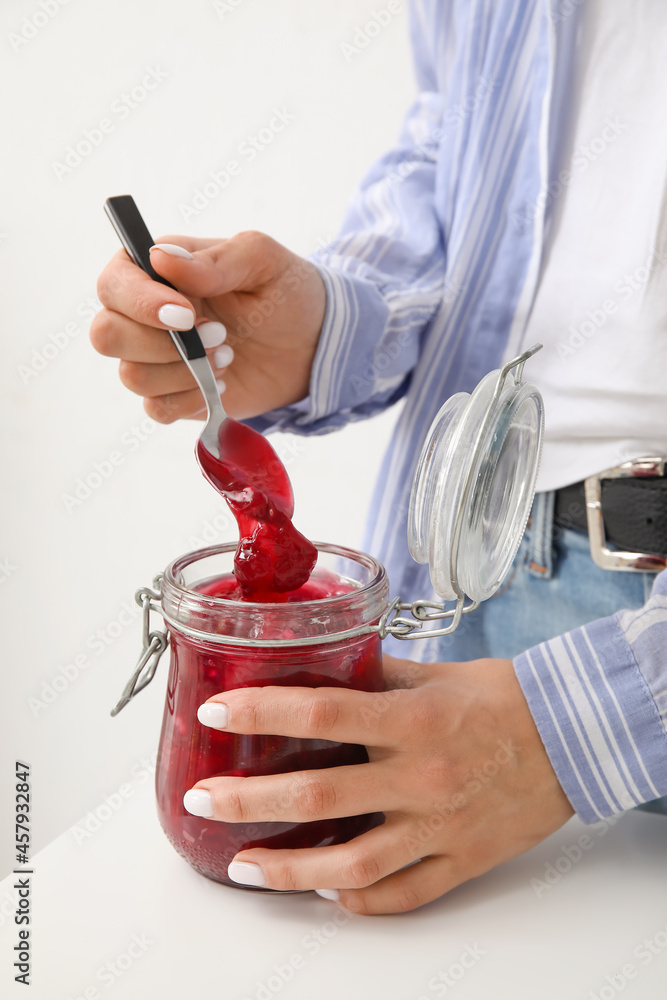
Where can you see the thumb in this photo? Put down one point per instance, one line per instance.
(244, 262)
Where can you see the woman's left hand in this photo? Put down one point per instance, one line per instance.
(456, 764)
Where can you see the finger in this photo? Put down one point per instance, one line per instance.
(176, 406)
(118, 336)
(242, 263)
(405, 890)
(354, 865)
(166, 379)
(300, 796)
(190, 243)
(338, 714)
(156, 380)
(125, 288)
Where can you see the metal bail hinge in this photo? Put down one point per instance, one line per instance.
(404, 628)
(154, 645)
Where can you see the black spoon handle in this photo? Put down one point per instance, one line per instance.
(133, 233)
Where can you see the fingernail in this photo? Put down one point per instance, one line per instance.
(223, 356)
(246, 873)
(173, 250)
(176, 317)
(212, 333)
(332, 894)
(198, 802)
(214, 715)
(221, 385)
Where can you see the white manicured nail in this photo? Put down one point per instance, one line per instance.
(332, 894)
(198, 802)
(212, 333)
(223, 356)
(213, 715)
(246, 873)
(176, 317)
(221, 385)
(173, 250)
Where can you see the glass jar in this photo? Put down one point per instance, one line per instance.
(219, 644)
(470, 501)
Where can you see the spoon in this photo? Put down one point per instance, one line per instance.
(229, 453)
(134, 235)
(272, 557)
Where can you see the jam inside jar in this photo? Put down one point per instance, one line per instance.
(219, 643)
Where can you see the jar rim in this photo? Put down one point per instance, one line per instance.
(337, 616)
(181, 562)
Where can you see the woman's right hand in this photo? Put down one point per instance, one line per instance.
(270, 301)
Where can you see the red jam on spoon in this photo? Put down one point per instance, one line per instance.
(272, 558)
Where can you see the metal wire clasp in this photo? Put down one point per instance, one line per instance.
(153, 646)
(404, 628)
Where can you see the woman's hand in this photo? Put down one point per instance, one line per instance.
(455, 763)
(266, 303)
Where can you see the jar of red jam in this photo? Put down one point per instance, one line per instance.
(320, 636)
(470, 501)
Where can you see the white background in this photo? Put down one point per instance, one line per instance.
(67, 573)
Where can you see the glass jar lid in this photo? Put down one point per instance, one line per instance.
(475, 482)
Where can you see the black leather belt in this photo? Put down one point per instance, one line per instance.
(633, 509)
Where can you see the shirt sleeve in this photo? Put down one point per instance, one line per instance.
(598, 696)
(384, 276)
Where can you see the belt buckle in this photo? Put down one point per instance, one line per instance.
(616, 559)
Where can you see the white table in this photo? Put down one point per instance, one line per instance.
(122, 896)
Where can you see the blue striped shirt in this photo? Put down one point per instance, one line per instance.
(429, 285)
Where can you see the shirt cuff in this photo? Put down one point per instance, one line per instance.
(346, 382)
(597, 719)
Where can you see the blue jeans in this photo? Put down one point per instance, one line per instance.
(553, 586)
